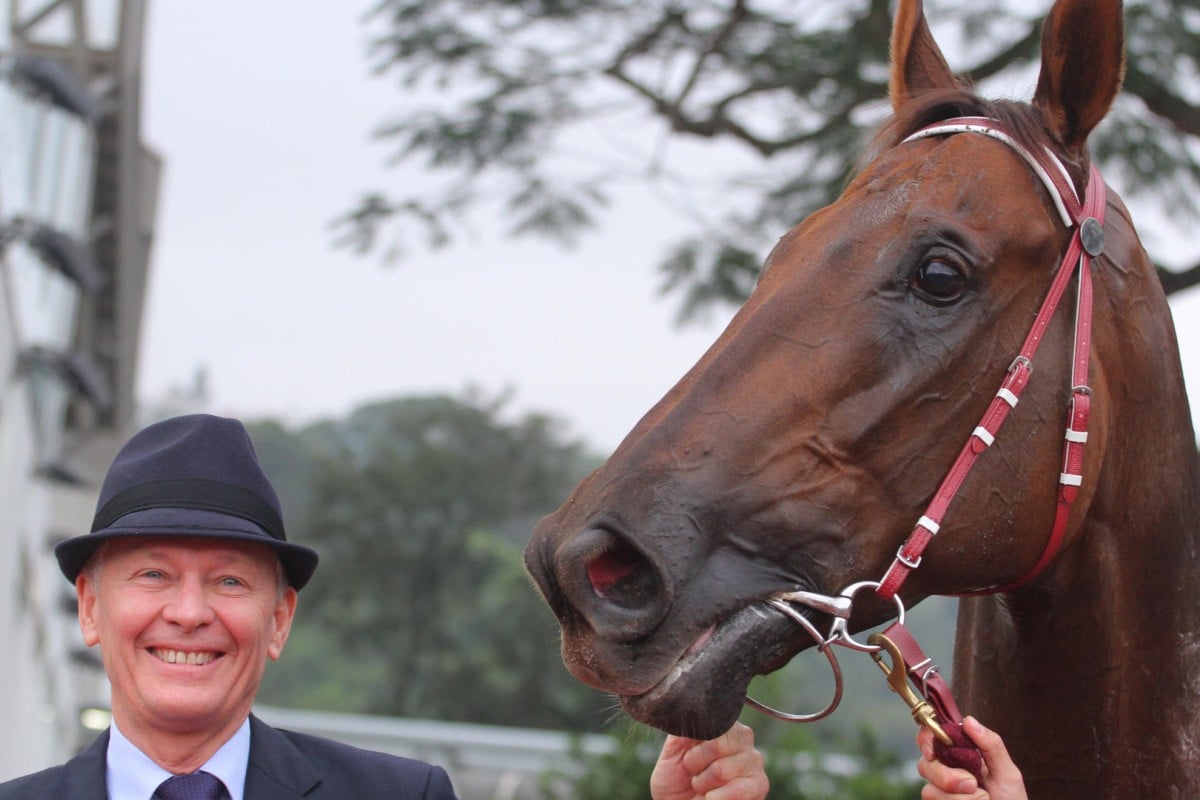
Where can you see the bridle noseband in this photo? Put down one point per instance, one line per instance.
(1087, 242)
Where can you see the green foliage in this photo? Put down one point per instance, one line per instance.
(707, 273)
(620, 774)
(540, 111)
(421, 607)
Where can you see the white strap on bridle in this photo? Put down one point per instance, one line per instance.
(1039, 170)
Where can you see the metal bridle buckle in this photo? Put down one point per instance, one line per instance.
(839, 607)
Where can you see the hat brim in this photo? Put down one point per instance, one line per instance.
(299, 562)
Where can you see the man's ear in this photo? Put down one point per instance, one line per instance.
(917, 62)
(285, 612)
(85, 593)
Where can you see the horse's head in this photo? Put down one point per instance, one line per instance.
(800, 449)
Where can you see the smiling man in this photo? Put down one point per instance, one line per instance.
(188, 585)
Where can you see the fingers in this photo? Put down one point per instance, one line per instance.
(728, 767)
(700, 755)
(947, 783)
(943, 782)
(925, 742)
(675, 747)
(1003, 777)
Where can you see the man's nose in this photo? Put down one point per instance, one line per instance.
(189, 607)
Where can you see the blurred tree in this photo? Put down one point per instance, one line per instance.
(525, 108)
(420, 508)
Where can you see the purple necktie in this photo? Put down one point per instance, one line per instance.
(197, 786)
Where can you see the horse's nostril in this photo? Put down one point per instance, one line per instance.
(622, 575)
(617, 589)
(606, 571)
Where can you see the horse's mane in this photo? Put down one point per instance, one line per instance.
(1022, 121)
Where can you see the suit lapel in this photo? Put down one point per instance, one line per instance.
(277, 769)
(85, 773)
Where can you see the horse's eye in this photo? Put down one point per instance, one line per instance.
(939, 281)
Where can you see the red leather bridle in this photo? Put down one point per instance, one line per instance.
(911, 668)
(1087, 242)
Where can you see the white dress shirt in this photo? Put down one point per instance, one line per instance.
(131, 775)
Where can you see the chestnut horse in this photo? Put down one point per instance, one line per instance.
(800, 450)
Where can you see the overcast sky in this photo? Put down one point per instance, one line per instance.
(262, 112)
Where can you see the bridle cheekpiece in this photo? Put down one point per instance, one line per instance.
(1087, 242)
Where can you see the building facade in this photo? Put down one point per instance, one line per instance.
(77, 203)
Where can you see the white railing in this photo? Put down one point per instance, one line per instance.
(486, 762)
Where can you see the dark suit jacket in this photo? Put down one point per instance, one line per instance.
(283, 765)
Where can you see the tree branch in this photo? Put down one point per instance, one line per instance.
(1161, 101)
(736, 16)
(640, 45)
(1177, 280)
(1023, 49)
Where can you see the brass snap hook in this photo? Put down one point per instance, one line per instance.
(897, 677)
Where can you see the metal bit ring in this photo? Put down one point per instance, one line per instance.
(824, 647)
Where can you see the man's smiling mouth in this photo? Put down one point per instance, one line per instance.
(183, 657)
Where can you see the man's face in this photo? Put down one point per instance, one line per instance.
(185, 627)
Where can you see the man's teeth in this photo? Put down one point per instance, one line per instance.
(180, 657)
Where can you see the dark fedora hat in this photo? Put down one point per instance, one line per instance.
(195, 475)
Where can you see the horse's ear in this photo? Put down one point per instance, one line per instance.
(1083, 64)
(917, 62)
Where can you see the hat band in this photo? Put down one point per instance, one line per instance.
(192, 493)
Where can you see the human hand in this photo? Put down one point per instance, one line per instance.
(725, 768)
(1001, 778)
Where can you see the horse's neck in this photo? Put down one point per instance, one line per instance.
(1092, 673)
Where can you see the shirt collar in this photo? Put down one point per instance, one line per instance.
(132, 775)
(230, 761)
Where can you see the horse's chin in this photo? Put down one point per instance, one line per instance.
(702, 694)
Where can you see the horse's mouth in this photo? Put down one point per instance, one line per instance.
(703, 692)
